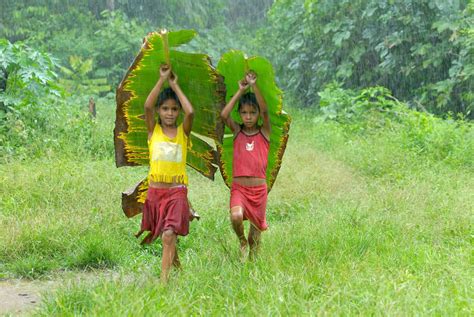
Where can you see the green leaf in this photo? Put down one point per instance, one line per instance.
(198, 80)
(339, 37)
(85, 67)
(233, 66)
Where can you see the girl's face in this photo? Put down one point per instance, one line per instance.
(168, 112)
(249, 115)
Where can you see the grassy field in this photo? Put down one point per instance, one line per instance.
(359, 225)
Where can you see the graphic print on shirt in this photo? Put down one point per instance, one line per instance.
(249, 146)
(167, 152)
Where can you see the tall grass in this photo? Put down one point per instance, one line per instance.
(359, 225)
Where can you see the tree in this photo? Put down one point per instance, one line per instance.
(415, 48)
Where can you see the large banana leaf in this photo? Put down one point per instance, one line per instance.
(233, 66)
(198, 80)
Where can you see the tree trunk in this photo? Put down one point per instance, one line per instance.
(92, 107)
(110, 5)
(3, 84)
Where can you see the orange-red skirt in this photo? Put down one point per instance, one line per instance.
(165, 209)
(253, 199)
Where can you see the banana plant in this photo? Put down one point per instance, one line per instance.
(199, 81)
(233, 66)
(76, 78)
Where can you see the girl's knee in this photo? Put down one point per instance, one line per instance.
(168, 236)
(236, 214)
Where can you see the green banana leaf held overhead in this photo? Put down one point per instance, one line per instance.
(233, 66)
(199, 81)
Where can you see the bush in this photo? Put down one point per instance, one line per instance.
(29, 92)
(375, 111)
(35, 115)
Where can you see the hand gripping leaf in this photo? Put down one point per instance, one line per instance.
(198, 80)
(233, 66)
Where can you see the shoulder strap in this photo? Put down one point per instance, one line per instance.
(263, 135)
(156, 132)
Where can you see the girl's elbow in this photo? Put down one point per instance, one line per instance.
(190, 113)
(148, 105)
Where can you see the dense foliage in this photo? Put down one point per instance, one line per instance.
(29, 88)
(423, 51)
(110, 40)
(110, 32)
(36, 116)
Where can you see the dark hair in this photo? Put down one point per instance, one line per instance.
(166, 94)
(248, 99)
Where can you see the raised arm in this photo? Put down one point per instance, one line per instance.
(225, 113)
(185, 104)
(150, 102)
(251, 78)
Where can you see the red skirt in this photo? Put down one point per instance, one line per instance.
(165, 209)
(253, 199)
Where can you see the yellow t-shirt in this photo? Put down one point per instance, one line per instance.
(168, 156)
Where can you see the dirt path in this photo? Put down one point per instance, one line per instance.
(18, 297)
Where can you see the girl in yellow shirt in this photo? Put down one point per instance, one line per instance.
(166, 210)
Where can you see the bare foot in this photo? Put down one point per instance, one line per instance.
(164, 279)
(253, 253)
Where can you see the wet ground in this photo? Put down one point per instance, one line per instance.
(18, 297)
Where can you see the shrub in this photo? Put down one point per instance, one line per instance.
(35, 115)
(374, 110)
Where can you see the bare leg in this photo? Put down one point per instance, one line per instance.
(254, 242)
(176, 262)
(169, 250)
(237, 219)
